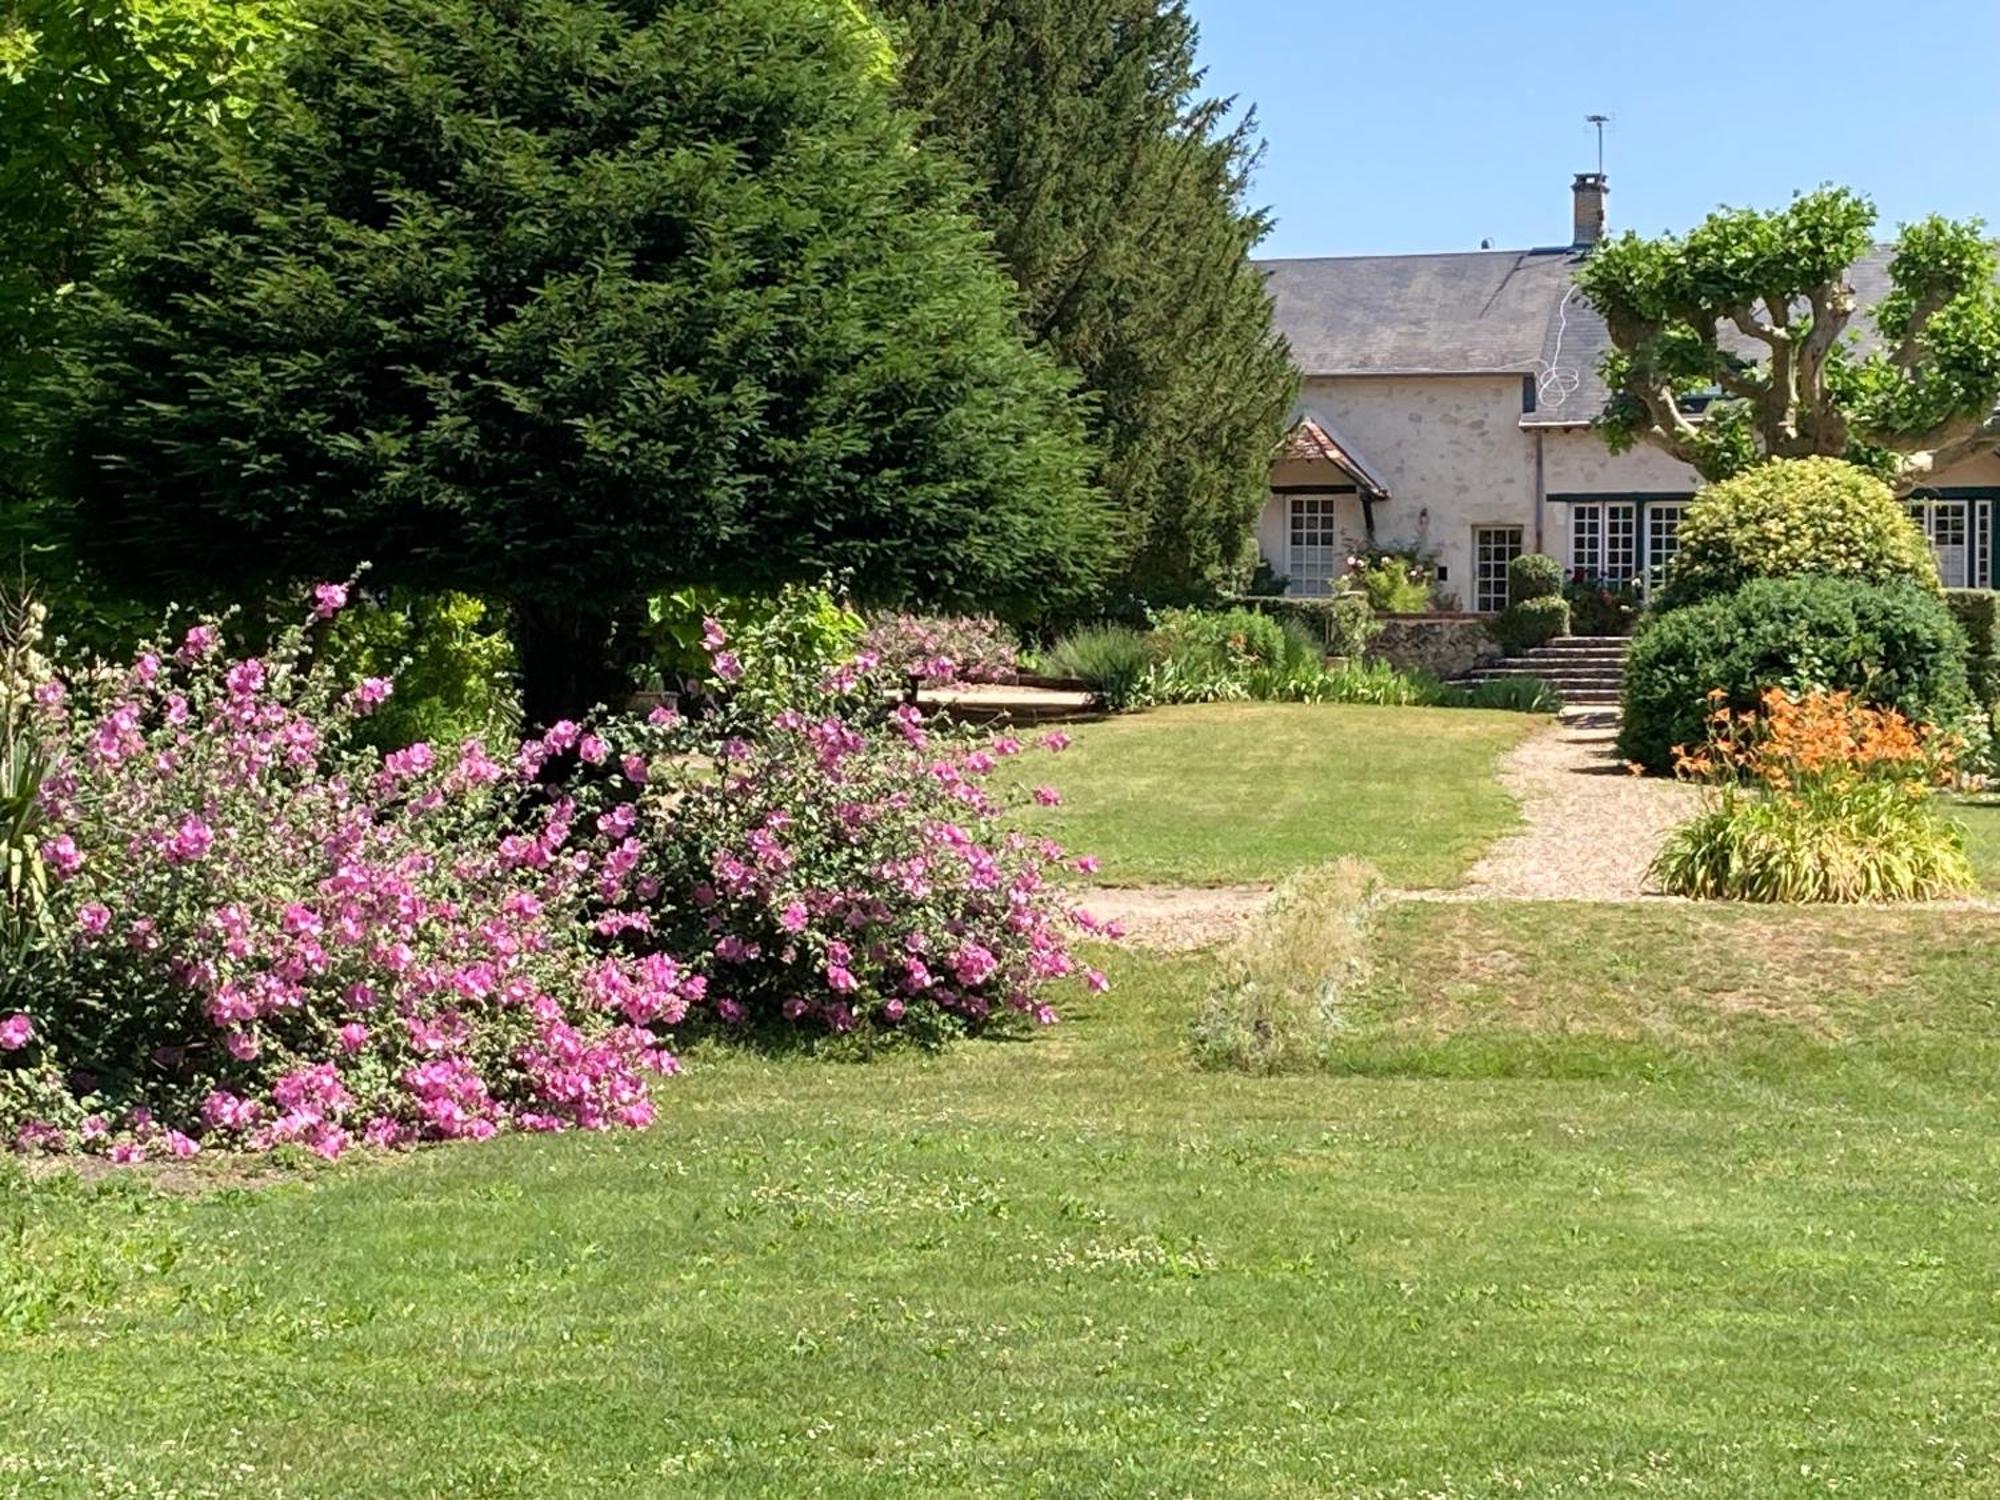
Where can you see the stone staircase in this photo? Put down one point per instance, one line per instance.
(1585, 669)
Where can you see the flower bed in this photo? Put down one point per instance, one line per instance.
(240, 929)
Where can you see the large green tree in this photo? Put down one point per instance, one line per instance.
(1736, 342)
(1115, 191)
(87, 89)
(565, 301)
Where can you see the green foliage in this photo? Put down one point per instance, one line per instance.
(1978, 614)
(1681, 309)
(87, 615)
(1109, 660)
(1602, 606)
(25, 922)
(1795, 516)
(1394, 585)
(1218, 641)
(563, 307)
(1278, 992)
(1521, 695)
(1529, 623)
(1892, 645)
(1344, 622)
(1534, 575)
(450, 657)
(87, 89)
(783, 644)
(1872, 842)
(1115, 194)
(1884, 846)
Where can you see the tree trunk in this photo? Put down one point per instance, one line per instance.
(568, 662)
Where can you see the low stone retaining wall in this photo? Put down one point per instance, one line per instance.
(1443, 645)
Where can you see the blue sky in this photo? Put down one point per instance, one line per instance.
(1408, 125)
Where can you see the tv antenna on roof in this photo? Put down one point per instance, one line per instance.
(1600, 121)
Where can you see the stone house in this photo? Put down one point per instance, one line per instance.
(1447, 403)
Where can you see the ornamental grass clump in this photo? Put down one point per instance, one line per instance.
(245, 930)
(838, 867)
(1816, 798)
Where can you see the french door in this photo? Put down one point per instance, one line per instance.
(1493, 548)
(1947, 526)
(1623, 541)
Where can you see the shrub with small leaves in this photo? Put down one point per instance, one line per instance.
(1530, 623)
(1793, 517)
(1533, 575)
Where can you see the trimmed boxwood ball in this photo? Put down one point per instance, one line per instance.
(1533, 575)
(1530, 623)
(1893, 645)
(1794, 517)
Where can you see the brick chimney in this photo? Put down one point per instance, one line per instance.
(1589, 190)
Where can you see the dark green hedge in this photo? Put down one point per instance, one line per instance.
(1533, 575)
(1530, 623)
(1893, 645)
(1978, 614)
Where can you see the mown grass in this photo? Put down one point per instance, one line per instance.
(1249, 792)
(1981, 820)
(1589, 1201)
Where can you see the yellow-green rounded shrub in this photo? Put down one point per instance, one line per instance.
(1791, 517)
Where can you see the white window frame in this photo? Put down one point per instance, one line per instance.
(1493, 548)
(1315, 556)
(1662, 542)
(1948, 527)
(1604, 539)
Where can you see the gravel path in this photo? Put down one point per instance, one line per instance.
(1590, 832)
(1174, 918)
(1591, 828)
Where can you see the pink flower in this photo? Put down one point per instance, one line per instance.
(199, 642)
(93, 917)
(727, 667)
(793, 917)
(62, 855)
(1048, 796)
(190, 842)
(329, 599)
(370, 693)
(353, 1037)
(713, 636)
(1056, 741)
(635, 769)
(246, 678)
(592, 750)
(16, 1032)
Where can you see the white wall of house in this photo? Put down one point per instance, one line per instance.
(1457, 462)
(1450, 449)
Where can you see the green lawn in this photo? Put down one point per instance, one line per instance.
(1682, 1202)
(1982, 826)
(1586, 1201)
(1232, 792)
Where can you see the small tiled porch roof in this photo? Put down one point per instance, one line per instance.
(1314, 441)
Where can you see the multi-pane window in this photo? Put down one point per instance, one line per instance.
(1663, 526)
(1315, 560)
(1947, 526)
(1493, 548)
(1604, 540)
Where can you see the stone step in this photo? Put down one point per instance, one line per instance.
(1516, 668)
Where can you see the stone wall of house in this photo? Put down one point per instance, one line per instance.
(1443, 645)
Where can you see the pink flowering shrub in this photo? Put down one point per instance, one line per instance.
(838, 866)
(253, 934)
(944, 648)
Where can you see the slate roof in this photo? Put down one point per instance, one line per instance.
(1476, 312)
